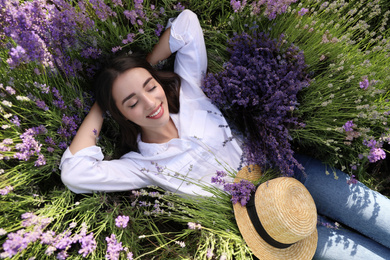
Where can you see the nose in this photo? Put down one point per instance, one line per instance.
(149, 101)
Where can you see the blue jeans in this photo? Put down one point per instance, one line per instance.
(364, 211)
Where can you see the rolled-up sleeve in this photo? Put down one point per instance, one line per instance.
(86, 172)
(187, 41)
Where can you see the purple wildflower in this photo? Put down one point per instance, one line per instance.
(47, 237)
(6, 190)
(62, 240)
(159, 29)
(376, 154)
(121, 221)
(41, 29)
(28, 147)
(117, 3)
(129, 38)
(131, 15)
(237, 5)
(62, 255)
(348, 126)
(371, 143)
(15, 120)
(352, 180)
(113, 248)
(364, 84)
(162, 10)
(50, 250)
(10, 90)
(50, 141)
(88, 245)
(179, 7)
(102, 10)
(78, 102)
(18, 56)
(240, 191)
(63, 145)
(115, 49)
(219, 178)
(15, 243)
(129, 255)
(303, 11)
(42, 105)
(91, 52)
(257, 92)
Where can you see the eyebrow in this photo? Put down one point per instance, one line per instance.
(133, 94)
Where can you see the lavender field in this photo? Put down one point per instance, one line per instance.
(308, 76)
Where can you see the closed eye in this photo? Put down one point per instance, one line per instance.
(132, 106)
(153, 88)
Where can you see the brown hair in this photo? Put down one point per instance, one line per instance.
(129, 131)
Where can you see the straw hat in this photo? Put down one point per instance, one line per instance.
(287, 213)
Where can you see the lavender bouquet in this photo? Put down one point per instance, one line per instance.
(257, 92)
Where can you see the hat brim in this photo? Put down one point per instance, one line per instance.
(303, 249)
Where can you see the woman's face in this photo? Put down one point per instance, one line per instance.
(141, 99)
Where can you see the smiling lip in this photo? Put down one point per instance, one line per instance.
(157, 113)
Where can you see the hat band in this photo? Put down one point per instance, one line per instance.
(251, 209)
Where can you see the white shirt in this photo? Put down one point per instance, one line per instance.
(201, 149)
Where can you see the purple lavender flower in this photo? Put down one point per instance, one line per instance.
(219, 178)
(62, 255)
(18, 56)
(15, 243)
(115, 49)
(47, 237)
(29, 145)
(113, 248)
(63, 240)
(257, 92)
(6, 190)
(348, 126)
(102, 10)
(50, 141)
(178, 7)
(41, 104)
(131, 15)
(10, 90)
(240, 191)
(364, 84)
(303, 11)
(159, 29)
(78, 102)
(41, 30)
(352, 180)
(371, 143)
(63, 145)
(129, 38)
(121, 221)
(117, 3)
(376, 154)
(237, 5)
(88, 245)
(15, 120)
(50, 250)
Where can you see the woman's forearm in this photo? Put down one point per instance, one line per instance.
(161, 50)
(88, 131)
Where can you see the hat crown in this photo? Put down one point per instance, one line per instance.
(286, 210)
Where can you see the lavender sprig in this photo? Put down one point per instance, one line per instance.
(257, 91)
